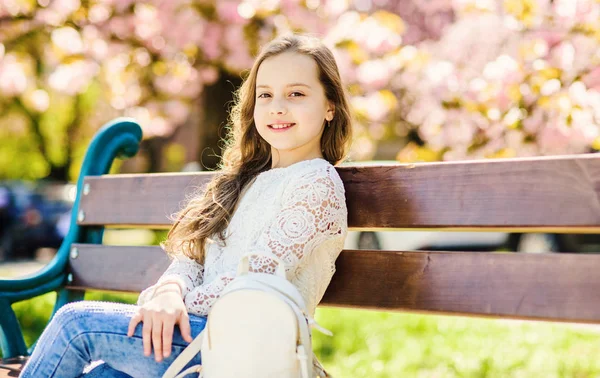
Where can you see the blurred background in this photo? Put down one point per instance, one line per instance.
(429, 80)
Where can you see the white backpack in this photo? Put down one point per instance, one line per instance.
(258, 328)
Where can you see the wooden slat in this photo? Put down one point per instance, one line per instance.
(548, 193)
(561, 287)
(143, 200)
(117, 268)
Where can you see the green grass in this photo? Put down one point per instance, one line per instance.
(379, 344)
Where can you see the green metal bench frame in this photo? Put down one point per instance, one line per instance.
(117, 139)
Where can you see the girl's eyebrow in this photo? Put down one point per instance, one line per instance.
(289, 85)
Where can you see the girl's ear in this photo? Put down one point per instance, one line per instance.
(330, 111)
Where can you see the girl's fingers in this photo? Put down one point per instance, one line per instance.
(157, 328)
(184, 327)
(133, 323)
(147, 335)
(167, 337)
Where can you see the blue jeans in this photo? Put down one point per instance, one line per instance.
(87, 331)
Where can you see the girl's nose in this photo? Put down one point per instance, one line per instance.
(278, 109)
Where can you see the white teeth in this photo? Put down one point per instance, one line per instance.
(282, 126)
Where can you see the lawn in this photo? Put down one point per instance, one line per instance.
(378, 344)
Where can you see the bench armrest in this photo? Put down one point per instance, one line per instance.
(119, 138)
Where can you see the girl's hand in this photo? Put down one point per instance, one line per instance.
(159, 316)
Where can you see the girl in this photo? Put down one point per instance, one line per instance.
(277, 195)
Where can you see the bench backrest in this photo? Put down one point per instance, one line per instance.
(550, 194)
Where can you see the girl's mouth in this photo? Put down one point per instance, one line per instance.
(281, 126)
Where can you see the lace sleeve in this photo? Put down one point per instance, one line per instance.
(199, 300)
(313, 211)
(185, 272)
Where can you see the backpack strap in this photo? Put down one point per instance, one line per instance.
(184, 357)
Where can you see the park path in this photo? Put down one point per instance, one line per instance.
(19, 268)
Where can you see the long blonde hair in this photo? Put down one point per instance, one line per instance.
(247, 154)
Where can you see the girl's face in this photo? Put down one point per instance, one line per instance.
(291, 107)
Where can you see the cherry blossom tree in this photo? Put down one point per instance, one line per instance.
(456, 78)
(66, 66)
(512, 78)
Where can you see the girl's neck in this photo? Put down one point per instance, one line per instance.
(285, 160)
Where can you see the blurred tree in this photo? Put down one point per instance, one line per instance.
(455, 78)
(511, 78)
(67, 66)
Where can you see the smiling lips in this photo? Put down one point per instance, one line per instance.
(281, 126)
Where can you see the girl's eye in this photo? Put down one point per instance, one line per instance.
(293, 94)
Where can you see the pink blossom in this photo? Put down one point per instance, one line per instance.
(186, 28)
(376, 130)
(578, 93)
(208, 75)
(534, 122)
(458, 130)
(376, 38)
(237, 59)
(193, 86)
(553, 138)
(157, 126)
(514, 139)
(169, 84)
(563, 56)
(146, 22)
(571, 12)
(455, 153)
(586, 52)
(68, 40)
(363, 149)
(481, 5)
(528, 150)
(376, 107)
(57, 12)
(592, 79)
(301, 18)
(584, 128)
(39, 100)
(432, 123)
(228, 12)
(343, 28)
(373, 74)
(550, 37)
(177, 111)
(211, 45)
(345, 66)
(122, 27)
(98, 13)
(93, 43)
(335, 8)
(119, 5)
(13, 80)
(73, 78)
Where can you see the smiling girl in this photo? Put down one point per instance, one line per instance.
(277, 195)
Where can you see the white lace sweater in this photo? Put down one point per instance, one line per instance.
(296, 213)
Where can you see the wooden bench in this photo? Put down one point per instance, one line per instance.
(549, 194)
